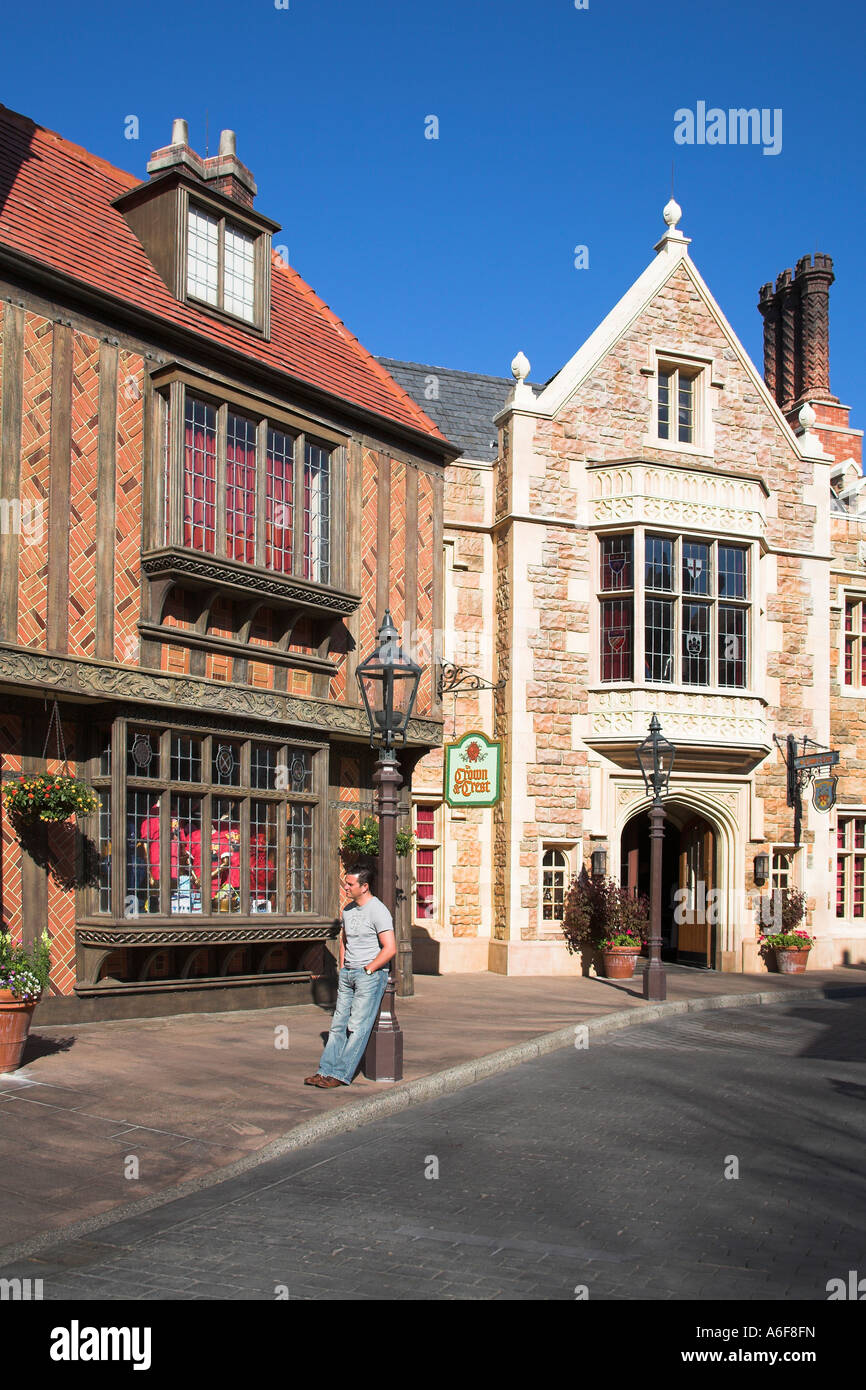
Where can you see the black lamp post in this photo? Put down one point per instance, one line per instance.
(389, 683)
(656, 759)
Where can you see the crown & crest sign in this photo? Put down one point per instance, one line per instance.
(472, 771)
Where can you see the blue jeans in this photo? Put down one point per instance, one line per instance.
(358, 998)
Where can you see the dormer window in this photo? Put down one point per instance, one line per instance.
(220, 264)
(196, 222)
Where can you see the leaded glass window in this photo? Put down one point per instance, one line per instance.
(694, 595)
(214, 825)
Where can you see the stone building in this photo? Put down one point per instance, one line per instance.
(657, 530)
(210, 494)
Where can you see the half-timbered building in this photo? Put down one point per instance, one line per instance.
(210, 495)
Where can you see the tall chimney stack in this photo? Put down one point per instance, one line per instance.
(797, 333)
(796, 316)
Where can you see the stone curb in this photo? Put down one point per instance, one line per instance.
(410, 1093)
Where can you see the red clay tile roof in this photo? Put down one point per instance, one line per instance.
(55, 207)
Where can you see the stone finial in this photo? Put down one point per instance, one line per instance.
(520, 367)
(179, 131)
(810, 443)
(672, 214)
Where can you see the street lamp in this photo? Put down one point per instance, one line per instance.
(656, 759)
(388, 679)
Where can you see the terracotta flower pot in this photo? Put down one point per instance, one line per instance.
(15, 1016)
(792, 962)
(619, 961)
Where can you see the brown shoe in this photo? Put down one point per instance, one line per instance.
(313, 1080)
(328, 1081)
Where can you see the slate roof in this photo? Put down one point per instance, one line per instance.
(55, 208)
(464, 407)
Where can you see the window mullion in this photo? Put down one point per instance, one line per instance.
(298, 511)
(165, 796)
(282, 841)
(221, 443)
(638, 606)
(713, 590)
(677, 607)
(221, 263)
(261, 489)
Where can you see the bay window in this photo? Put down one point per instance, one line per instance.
(693, 595)
(208, 825)
(241, 487)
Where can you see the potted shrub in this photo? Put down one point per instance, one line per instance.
(23, 977)
(791, 943)
(603, 917)
(359, 844)
(44, 797)
(624, 922)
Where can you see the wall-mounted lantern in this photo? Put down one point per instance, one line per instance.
(762, 869)
(599, 863)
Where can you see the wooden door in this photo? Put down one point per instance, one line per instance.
(696, 881)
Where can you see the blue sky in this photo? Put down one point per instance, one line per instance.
(556, 130)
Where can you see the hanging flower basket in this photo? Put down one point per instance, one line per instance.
(47, 798)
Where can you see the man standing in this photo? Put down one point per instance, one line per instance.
(367, 944)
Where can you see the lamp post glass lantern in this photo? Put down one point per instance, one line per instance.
(388, 680)
(656, 761)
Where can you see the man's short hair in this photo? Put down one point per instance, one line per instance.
(364, 877)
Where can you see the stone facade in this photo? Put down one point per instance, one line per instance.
(583, 462)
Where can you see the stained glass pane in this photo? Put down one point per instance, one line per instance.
(616, 563)
(696, 643)
(732, 646)
(696, 568)
(616, 640)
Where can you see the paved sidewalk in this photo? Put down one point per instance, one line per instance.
(103, 1115)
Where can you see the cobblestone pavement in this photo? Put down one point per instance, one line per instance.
(607, 1169)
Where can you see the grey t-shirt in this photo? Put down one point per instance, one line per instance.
(361, 925)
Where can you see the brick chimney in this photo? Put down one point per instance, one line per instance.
(222, 172)
(796, 316)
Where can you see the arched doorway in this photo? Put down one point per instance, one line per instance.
(689, 874)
